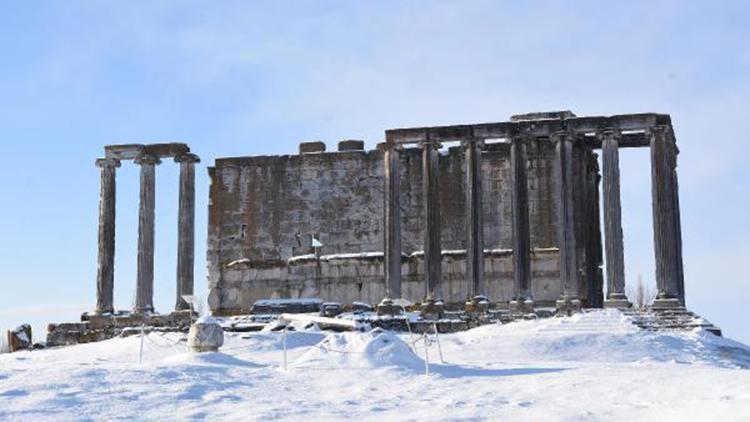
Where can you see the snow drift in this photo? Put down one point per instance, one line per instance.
(374, 349)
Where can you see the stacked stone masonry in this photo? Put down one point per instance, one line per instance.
(264, 210)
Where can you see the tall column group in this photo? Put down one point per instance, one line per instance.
(610, 134)
(146, 232)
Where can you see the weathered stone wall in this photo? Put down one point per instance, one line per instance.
(351, 278)
(262, 208)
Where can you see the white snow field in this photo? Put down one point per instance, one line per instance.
(594, 366)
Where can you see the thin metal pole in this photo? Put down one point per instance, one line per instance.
(140, 354)
(437, 338)
(426, 354)
(284, 341)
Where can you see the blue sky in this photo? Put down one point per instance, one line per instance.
(246, 78)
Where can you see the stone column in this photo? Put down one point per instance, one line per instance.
(613, 243)
(186, 229)
(392, 223)
(569, 300)
(144, 301)
(474, 224)
(522, 301)
(593, 235)
(666, 213)
(105, 268)
(431, 207)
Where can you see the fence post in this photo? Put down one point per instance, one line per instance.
(140, 354)
(426, 354)
(437, 338)
(284, 342)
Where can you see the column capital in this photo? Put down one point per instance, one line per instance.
(391, 146)
(430, 144)
(609, 133)
(658, 129)
(148, 159)
(108, 162)
(187, 158)
(563, 135)
(466, 143)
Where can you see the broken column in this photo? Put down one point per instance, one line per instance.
(186, 229)
(206, 335)
(522, 301)
(105, 265)
(666, 214)
(144, 301)
(431, 209)
(474, 226)
(613, 242)
(569, 300)
(392, 216)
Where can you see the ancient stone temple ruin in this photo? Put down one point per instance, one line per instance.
(506, 211)
(105, 321)
(470, 224)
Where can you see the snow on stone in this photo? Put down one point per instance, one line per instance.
(592, 366)
(374, 349)
(4, 346)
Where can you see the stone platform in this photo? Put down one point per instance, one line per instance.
(96, 327)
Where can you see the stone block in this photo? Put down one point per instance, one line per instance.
(432, 309)
(206, 335)
(567, 306)
(20, 338)
(351, 145)
(315, 147)
(521, 307)
(387, 307)
(331, 309)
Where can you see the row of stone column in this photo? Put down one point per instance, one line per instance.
(146, 232)
(667, 233)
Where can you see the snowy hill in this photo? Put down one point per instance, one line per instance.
(594, 366)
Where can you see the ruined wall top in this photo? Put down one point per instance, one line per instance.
(133, 151)
(539, 124)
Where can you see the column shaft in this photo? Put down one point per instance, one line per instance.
(520, 223)
(593, 235)
(186, 230)
(146, 233)
(613, 240)
(431, 206)
(565, 221)
(392, 216)
(474, 218)
(105, 269)
(667, 236)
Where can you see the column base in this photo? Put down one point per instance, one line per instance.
(432, 309)
(521, 306)
(477, 306)
(104, 311)
(617, 303)
(568, 305)
(387, 307)
(143, 311)
(667, 304)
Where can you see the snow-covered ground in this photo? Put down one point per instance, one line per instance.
(595, 366)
